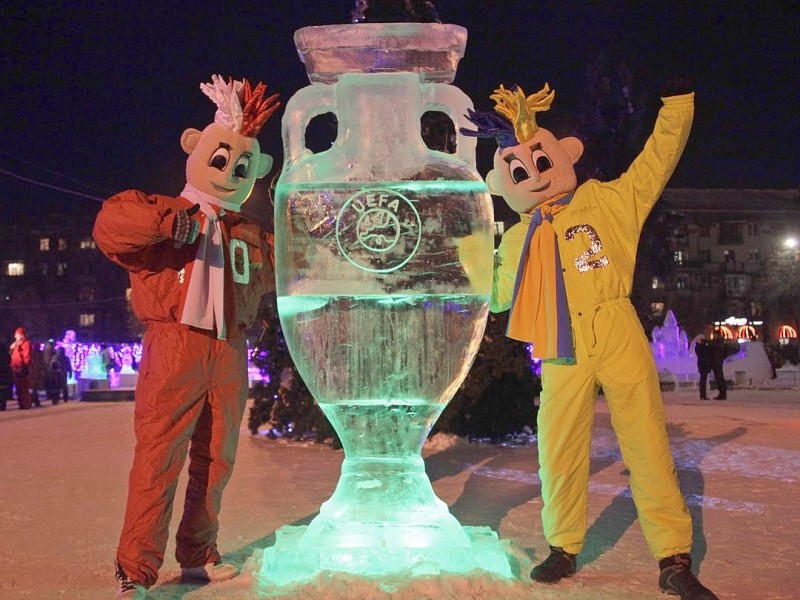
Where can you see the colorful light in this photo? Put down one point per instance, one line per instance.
(746, 332)
(726, 332)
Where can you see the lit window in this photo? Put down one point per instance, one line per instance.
(88, 244)
(499, 227)
(86, 319)
(15, 269)
(679, 257)
(62, 243)
(44, 244)
(62, 269)
(655, 283)
(681, 283)
(657, 309)
(754, 254)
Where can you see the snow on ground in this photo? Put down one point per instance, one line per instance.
(63, 489)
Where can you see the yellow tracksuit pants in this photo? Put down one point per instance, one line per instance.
(612, 352)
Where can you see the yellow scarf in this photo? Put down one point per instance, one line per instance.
(539, 312)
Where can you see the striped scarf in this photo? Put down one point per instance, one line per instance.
(539, 312)
(205, 294)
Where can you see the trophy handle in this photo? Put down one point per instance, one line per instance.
(454, 103)
(303, 106)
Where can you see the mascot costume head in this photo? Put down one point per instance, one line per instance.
(225, 158)
(531, 166)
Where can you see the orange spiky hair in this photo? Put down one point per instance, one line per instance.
(256, 109)
(240, 107)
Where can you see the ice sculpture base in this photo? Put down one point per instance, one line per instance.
(289, 562)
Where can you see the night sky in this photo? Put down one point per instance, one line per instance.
(95, 95)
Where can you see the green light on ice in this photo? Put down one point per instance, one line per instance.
(384, 517)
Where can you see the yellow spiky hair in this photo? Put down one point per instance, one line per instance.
(521, 110)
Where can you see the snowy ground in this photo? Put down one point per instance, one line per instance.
(63, 487)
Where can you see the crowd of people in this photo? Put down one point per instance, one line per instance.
(31, 372)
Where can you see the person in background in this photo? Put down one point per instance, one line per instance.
(38, 375)
(718, 354)
(64, 371)
(52, 381)
(107, 358)
(702, 349)
(21, 358)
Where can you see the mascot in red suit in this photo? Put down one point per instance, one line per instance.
(198, 271)
(565, 272)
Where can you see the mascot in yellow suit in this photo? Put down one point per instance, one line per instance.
(565, 272)
(198, 270)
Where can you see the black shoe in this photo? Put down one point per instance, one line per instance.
(128, 589)
(555, 567)
(720, 397)
(676, 579)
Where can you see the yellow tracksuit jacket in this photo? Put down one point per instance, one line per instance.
(598, 236)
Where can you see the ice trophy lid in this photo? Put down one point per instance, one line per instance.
(430, 49)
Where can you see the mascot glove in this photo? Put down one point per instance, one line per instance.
(185, 229)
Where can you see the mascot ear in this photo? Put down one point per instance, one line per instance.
(489, 179)
(264, 165)
(189, 140)
(573, 146)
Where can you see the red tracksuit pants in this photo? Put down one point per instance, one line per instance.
(190, 399)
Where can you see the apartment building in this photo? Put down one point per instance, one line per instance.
(720, 243)
(54, 278)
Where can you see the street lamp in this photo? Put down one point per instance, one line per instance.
(790, 243)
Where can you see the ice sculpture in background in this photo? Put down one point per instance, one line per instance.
(384, 254)
(674, 355)
(669, 340)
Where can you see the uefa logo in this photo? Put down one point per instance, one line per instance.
(378, 230)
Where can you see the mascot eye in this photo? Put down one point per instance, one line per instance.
(541, 160)
(242, 166)
(220, 158)
(519, 172)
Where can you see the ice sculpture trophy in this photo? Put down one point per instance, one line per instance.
(384, 254)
